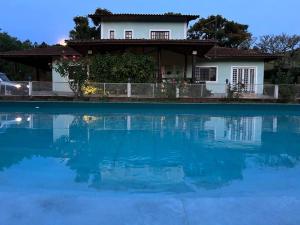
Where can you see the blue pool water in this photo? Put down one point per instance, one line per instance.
(72, 163)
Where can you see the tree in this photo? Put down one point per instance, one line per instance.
(227, 33)
(287, 47)
(82, 29)
(100, 12)
(279, 44)
(75, 70)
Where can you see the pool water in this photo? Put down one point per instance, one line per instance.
(82, 163)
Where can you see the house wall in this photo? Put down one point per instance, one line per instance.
(142, 30)
(224, 71)
(59, 83)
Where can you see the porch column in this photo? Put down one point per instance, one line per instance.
(194, 54)
(37, 73)
(185, 66)
(159, 75)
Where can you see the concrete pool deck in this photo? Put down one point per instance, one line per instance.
(55, 209)
(24, 199)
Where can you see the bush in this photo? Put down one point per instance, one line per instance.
(75, 71)
(121, 68)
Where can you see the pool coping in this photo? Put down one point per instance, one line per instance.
(145, 100)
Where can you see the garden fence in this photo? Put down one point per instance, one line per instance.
(153, 90)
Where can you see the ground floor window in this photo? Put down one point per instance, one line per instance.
(203, 74)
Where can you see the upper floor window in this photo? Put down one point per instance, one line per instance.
(203, 74)
(111, 34)
(160, 35)
(128, 34)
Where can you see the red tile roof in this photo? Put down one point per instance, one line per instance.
(145, 17)
(48, 51)
(141, 42)
(232, 53)
(213, 53)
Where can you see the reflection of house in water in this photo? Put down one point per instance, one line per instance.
(136, 151)
(236, 129)
(142, 176)
(61, 126)
(232, 129)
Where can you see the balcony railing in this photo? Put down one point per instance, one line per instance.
(153, 90)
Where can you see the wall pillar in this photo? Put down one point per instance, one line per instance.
(159, 74)
(185, 66)
(37, 73)
(194, 55)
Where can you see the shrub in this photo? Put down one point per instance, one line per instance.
(121, 68)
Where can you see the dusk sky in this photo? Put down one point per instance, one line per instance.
(51, 20)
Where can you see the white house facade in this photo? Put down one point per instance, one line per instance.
(164, 36)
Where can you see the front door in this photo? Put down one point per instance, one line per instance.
(244, 76)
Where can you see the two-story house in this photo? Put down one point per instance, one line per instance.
(164, 36)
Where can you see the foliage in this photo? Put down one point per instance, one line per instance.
(227, 33)
(287, 47)
(286, 88)
(89, 89)
(75, 71)
(82, 29)
(100, 11)
(121, 68)
(279, 44)
(235, 91)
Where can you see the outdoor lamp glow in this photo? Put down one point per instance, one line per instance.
(18, 86)
(18, 119)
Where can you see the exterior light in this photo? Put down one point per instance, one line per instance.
(90, 52)
(18, 119)
(194, 52)
(18, 86)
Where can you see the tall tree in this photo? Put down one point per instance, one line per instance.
(99, 12)
(279, 44)
(82, 29)
(227, 33)
(288, 46)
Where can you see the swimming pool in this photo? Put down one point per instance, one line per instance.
(82, 163)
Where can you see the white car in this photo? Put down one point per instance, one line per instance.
(9, 87)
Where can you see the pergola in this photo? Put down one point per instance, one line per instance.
(193, 48)
(38, 58)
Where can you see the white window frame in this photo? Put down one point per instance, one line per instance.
(217, 73)
(109, 34)
(131, 33)
(245, 67)
(167, 30)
